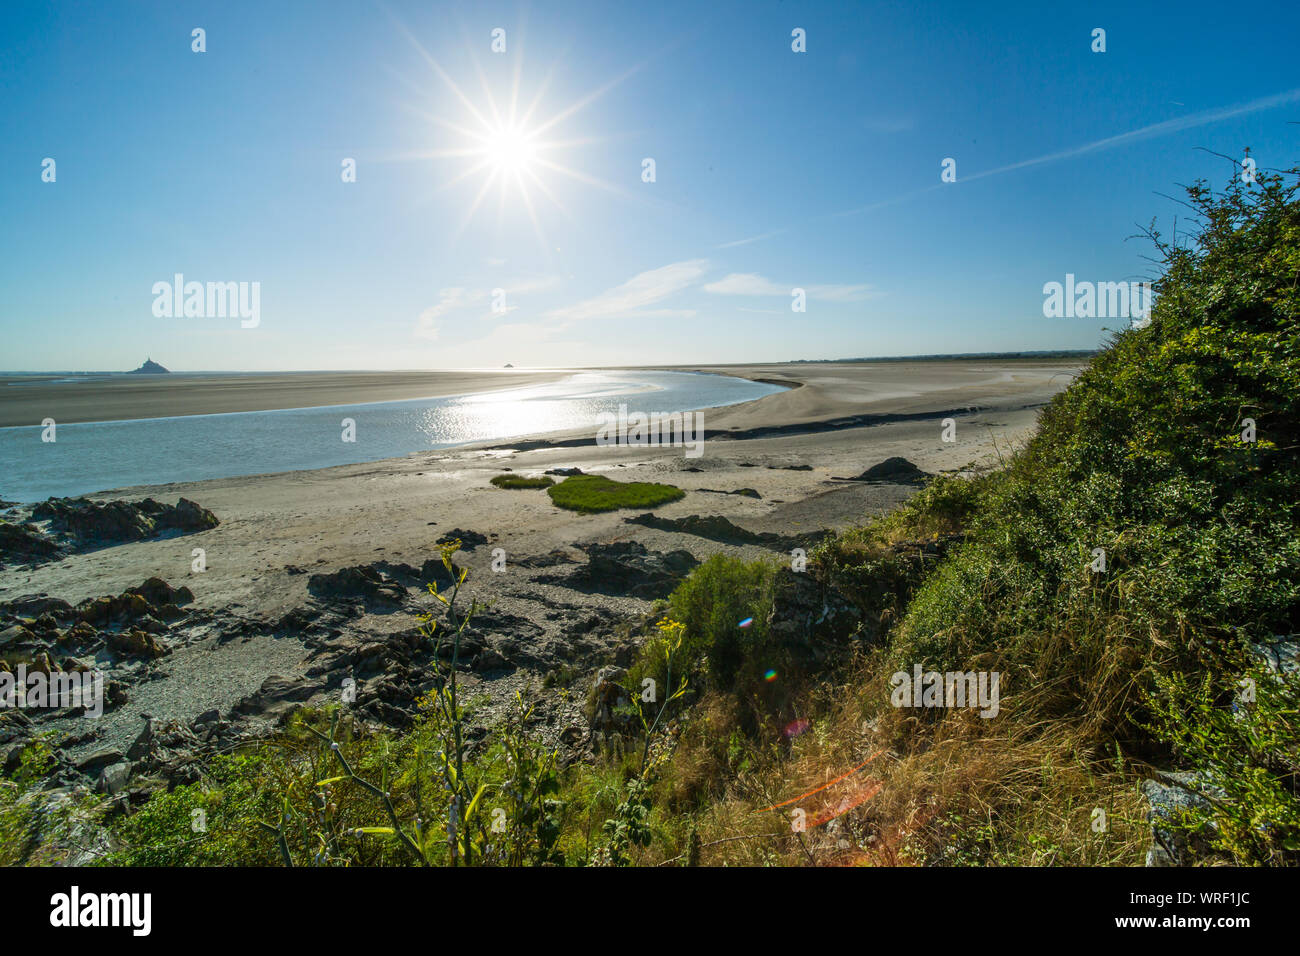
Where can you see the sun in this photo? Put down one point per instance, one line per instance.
(510, 149)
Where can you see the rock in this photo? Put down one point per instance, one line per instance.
(114, 778)
(356, 582)
(22, 545)
(897, 471)
(276, 693)
(188, 516)
(130, 607)
(469, 540)
(90, 523)
(434, 571)
(94, 762)
(608, 714)
(164, 743)
(718, 528)
(157, 591)
(1281, 655)
(489, 659)
(137, 643)
(150, 367)
(114, 694)
(17, 635)
(142, 747)
(38, 606)
(79, 633)
(746, 492)
(565, 472)
(807, 615)
(95, 611)
(628, 567)
(1168, 798)
(548, 560)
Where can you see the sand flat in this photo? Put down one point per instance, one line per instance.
(28, 399)
(395, 508)
(277, 530)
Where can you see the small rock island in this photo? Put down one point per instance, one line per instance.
(150, 367)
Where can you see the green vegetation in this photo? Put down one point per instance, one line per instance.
(723, 733)
(716, 651)
(590, 494)
(519, 481)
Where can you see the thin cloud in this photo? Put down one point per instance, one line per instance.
(636, 293)
(750, 283)
(746, 283)
(455, 299)
(449, 300)
(745, 242)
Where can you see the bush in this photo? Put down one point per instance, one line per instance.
(711, 604)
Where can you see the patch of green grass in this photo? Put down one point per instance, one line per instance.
(590, 494)
(519, 481)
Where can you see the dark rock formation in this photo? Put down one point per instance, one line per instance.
(809, 617)
(895, 471)
(82, 523)
(361, 582)
(150, 367)
(746, 492)
(469, 540)
(23, 545)
(628, 567)
(718, 528)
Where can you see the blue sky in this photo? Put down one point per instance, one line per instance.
(773, 170)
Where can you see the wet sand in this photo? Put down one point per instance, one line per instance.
(28, 399)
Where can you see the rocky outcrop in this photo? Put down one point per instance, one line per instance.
(629, 568)
(77, 524)
(609, 711)
(112, 522)
(469, 540)
(23, 545)
(1169, 798)
(808, 617)
(359, 582)
(718, 528)
(743, 492)
(895, 471)
(130, 625)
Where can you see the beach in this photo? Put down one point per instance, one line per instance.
(29, 399)
(796, 452)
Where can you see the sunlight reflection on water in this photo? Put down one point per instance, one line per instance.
(99, 455)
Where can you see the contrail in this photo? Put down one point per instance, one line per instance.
(1146, 132)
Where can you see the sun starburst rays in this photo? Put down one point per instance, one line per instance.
(503, 144)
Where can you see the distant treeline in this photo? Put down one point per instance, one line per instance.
(1047, 354)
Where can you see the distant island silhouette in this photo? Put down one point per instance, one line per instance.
(150, 367)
